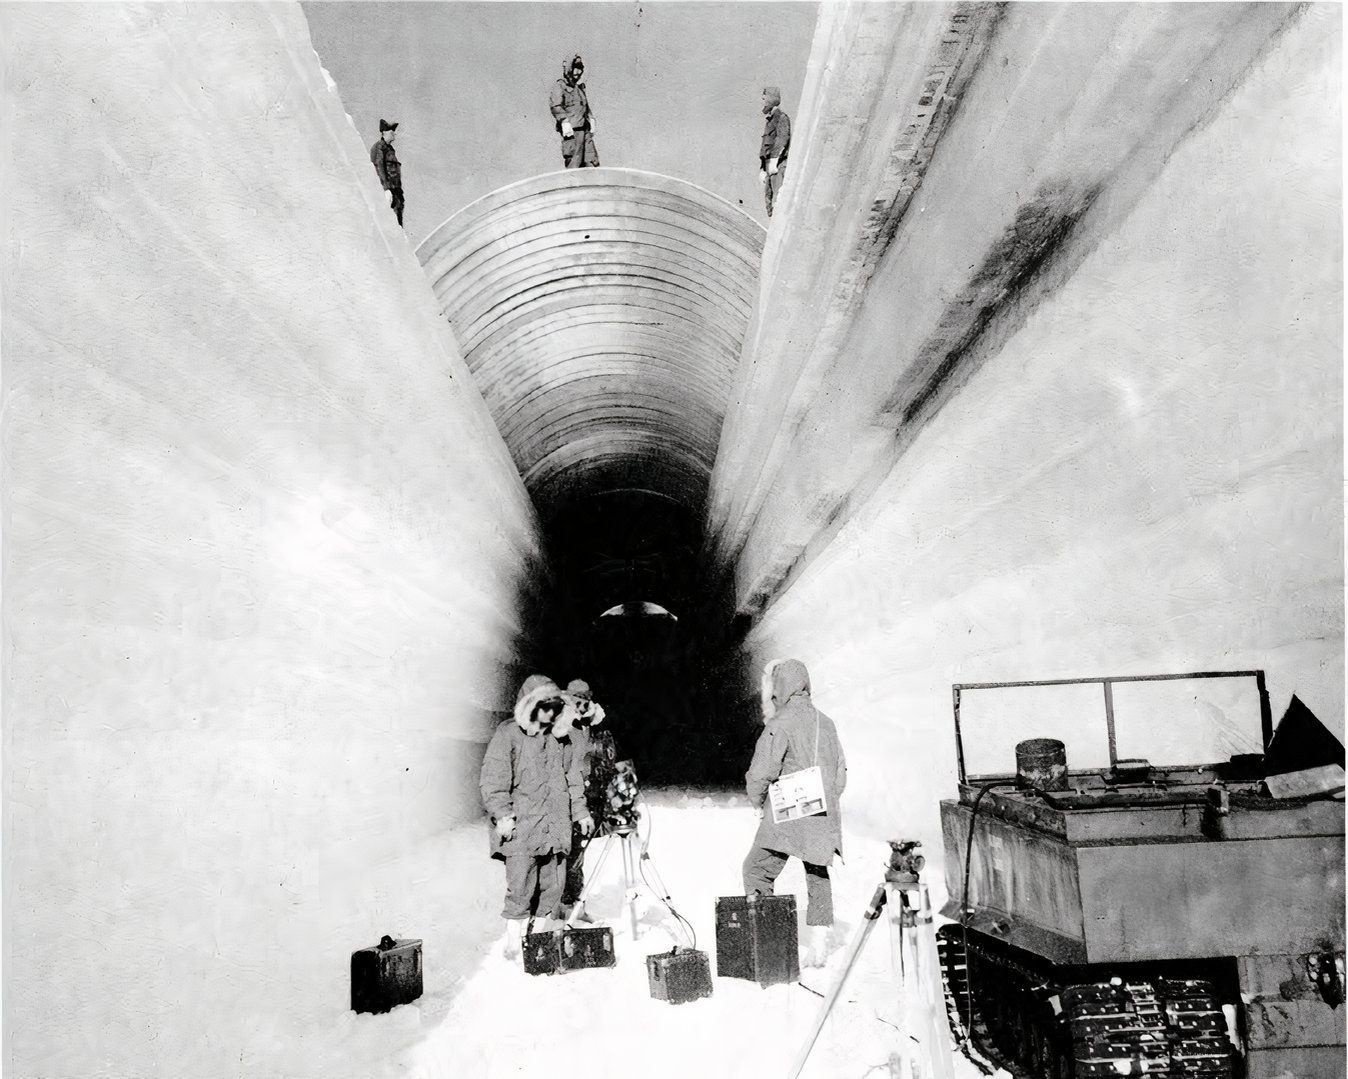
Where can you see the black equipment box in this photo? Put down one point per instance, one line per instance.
(756, 938)
(386, 975)
(679, 976)
(563, 950)
(542, 952)
(583, 949)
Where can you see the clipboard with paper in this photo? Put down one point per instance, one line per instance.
(800, 793)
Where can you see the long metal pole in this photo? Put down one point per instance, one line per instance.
(927, 969)
(858, 941)
(629, 885)
(900, 964)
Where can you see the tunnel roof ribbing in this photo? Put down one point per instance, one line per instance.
(602, 313)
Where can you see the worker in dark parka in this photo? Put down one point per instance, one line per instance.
(571, 113)
(774, 146)
(796, 736)
(385, 161)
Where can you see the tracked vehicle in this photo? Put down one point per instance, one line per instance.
(1115, 915)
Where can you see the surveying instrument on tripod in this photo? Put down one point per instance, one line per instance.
(925, 1050)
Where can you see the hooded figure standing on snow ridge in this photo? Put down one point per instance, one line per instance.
(796, 736)
(533, 790)
(575, 122)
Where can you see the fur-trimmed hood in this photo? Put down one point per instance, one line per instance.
(537, 692)
(783, 679)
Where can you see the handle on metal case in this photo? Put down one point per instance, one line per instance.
(386, 942)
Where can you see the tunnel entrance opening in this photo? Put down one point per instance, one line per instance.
(631, 603)
(602, 314)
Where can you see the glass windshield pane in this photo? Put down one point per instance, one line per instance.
(993, 721)
(1166, 722)
(1194, 721)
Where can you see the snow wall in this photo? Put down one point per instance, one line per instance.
(1147, 477)
(261, 546)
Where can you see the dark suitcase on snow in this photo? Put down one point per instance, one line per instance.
(679, 976)
(561, 950)
(386, 975)
(756, 938)
(542, 952)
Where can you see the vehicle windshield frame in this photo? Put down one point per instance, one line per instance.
(1107, 683)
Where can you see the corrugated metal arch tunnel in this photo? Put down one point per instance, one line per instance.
(602, 313)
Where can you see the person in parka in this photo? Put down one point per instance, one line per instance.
(595, 753)
(774, 146)
(796, 736)
(574, 121)
(385, 161)
(532, 788)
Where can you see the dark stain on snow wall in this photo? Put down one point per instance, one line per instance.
(958, 58)
(999, 288)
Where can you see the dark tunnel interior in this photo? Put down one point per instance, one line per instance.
(629, 600)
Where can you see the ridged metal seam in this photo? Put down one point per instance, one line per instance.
(569, 299)
(619, 445)
(653, 332)
(540, 406)
(602, 313)
(617, 430)
(647, 460)
(635, 181)
(533, 370)
(522, 248)
(636, 408)
(640, 429)
(641, 465)
(517, 291)
(485, 242)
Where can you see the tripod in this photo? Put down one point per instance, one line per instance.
(634, 877)
(925, 1050)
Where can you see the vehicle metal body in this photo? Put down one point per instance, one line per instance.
(1149, 920)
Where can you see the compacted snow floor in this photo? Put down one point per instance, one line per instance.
(482, 1017)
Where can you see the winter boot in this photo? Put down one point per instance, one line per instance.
(514, 938)
(814, 945)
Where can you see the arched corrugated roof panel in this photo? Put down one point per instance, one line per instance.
(601, 312)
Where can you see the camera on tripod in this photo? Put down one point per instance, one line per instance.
(611, 795)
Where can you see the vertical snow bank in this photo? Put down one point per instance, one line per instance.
(1146, 478)
(261, 548)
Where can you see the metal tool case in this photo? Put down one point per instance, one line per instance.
(756, 938)
(679, 976)
(386, 975)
